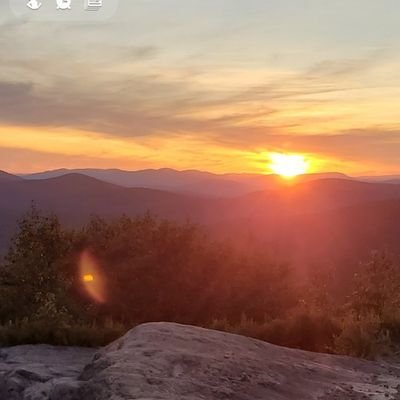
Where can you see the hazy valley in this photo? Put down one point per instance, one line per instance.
(347, 217)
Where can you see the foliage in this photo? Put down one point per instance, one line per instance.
(153, 269)
(371, 322)
(36, 331)
(33, 280)
(300, 329)
(363, 337)
(377, 287)
(161, 270)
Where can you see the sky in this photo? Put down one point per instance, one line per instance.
(213, 85)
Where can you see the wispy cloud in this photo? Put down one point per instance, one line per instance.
(168, 97)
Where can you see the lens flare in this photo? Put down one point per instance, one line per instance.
(91, 277)
(88, 278)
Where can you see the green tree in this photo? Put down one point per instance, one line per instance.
(33, 280)
(377, 288)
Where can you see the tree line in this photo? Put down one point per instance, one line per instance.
(158, 270)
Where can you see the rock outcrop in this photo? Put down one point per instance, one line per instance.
(42, 372)
(170, 361)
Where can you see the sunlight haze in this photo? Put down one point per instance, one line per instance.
(211, 85)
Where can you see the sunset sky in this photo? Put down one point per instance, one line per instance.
(214, 85)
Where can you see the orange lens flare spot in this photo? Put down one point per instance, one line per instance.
(92, 277)
(88, 278)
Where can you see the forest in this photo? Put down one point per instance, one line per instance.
(151, 269)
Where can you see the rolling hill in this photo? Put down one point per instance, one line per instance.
(335, 221)
(192, 182)
(6, 177)
(75, 197)
(338, 239)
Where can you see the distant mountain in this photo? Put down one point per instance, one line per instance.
(380, 179)
(217, 187)
(327, 223)
(6, 177)
(161, 179)
(260, 180)
(394, 181)
(328, 220)
(189, 182)
(75, 197)
(337, 238)
(144, 178)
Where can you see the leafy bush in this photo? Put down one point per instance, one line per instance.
(156, 270)
(152, 270)
(33, 280)
(364, 337)
(300, 329)
(77, 334)
(371, 322)
(377, 287)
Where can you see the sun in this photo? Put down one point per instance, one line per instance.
(288, 165)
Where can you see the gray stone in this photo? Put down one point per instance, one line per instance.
(168, 361)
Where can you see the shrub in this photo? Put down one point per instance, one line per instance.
(41, 331)
(161, 270)
(32, 279)
(300, 329)
(377, 287)
(363, 337)
(152, 270)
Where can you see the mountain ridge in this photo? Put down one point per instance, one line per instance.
(5, 176)
(187, 181)
(283, 218)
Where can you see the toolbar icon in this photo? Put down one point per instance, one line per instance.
(93, 5)
(64, 4)
(34, 4)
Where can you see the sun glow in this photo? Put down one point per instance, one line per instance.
(288, 165)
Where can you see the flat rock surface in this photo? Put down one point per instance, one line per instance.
(170, 361)
(41, 372)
